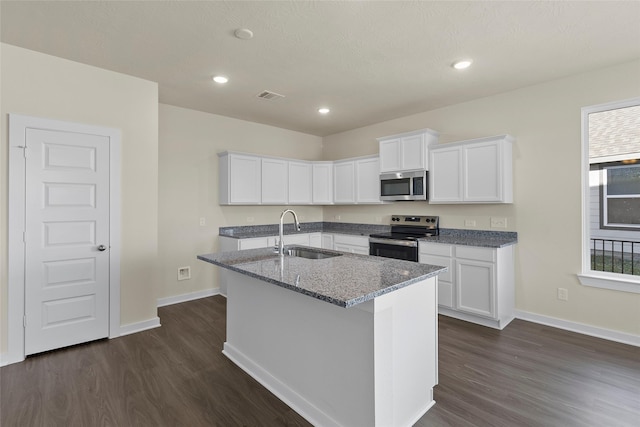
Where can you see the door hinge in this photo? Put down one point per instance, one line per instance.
(24, 321)
(24, 237)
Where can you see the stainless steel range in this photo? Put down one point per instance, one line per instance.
(402, 241)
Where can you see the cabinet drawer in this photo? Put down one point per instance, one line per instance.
(254, 243)
(476, 253)
(346, 239)
(435, 249)
(439, 260)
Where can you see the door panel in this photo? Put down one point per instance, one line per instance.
(67, 218)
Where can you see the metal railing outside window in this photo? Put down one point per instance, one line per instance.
(615, 256)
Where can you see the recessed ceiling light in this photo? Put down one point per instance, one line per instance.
(220, 79)
(323, 110)
(243, 33)
(461, 65)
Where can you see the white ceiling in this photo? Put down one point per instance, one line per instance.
(369, 61)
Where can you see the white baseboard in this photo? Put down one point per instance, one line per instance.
(580, 328)
(132, 328)
(176, 299)
(296, 402)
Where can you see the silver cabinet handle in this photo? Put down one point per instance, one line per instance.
(102, 248)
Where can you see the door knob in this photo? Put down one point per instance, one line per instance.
(102, 248)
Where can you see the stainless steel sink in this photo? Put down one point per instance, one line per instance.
(310, 253)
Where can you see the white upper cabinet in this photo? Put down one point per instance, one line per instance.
(357, 181)
(368, 180)
(407, 151)
(322, 183)
(344, 190)
(445, 174)
(239, 178)
(300, 179)
(275, 181)
(246, 179)
(473, 171)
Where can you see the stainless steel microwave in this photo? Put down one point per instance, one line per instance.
(404, 185)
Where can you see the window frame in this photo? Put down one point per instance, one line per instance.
(588, 277)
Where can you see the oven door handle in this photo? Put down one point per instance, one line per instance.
(394, 242)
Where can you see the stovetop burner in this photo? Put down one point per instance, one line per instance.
(411, 227)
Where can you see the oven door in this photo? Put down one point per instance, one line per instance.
(398, 249)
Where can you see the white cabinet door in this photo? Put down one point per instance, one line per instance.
(322, 183)
(300, 188)
(327, 241)
(445, 174)
(296, 239)
(475, 290)
(274, 181)
(414, 152)
(315, 240)
(482, 177)
(344, 182)
(368, 180)
(239, 179)
(390, 155)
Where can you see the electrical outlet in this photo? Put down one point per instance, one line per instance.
(378, 219)
(469, 222)
(250, 219)
(336, 217)
(563, 294)
(203, 221)
(498, 222)
(184, 273)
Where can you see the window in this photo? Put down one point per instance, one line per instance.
(611, 196)
(620, 191)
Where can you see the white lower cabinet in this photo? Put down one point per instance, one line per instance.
(351, 243)
(315, 240)
(327, 241)
(479, 286)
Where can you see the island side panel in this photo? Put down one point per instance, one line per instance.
(315, 356)
(406, 349)
(373, 364)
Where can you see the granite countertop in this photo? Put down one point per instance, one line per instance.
(449, 236)
(486, 239)
(345, 280)
(267, 230)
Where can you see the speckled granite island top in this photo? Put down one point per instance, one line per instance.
(345, 280)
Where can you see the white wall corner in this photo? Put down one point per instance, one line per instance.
(580, 328)
(133, 328)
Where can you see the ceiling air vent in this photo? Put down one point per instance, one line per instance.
(271, 96)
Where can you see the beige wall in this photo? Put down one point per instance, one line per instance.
(40, 85)
(546, 213)
(188, 163)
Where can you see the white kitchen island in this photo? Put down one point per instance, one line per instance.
(344, 341)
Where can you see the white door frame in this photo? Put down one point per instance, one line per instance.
(18, 124)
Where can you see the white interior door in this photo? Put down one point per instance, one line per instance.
(66, 239)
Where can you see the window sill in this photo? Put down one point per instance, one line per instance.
(616, 282)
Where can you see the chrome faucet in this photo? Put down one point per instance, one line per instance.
(295, 218)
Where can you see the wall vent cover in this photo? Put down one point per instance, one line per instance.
(268, 95)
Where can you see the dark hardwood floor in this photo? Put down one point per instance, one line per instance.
(525, 375)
